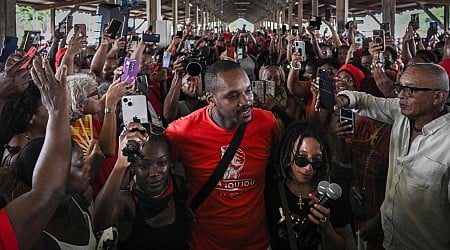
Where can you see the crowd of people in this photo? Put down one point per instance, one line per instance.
(287, 139)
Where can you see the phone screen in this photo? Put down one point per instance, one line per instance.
(346, 115)
(80, 29)
(326, 89)
(230, 52)
(114, 27)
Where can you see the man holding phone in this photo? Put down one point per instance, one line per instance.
(416, 207)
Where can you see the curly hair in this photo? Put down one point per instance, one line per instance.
(299, 131)
(17, 113)
(78, 86)
(280, 70)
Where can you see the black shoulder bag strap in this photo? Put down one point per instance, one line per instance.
(209, 186)
(287, 215)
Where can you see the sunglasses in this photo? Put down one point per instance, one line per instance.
(156, 130)
(302, 162)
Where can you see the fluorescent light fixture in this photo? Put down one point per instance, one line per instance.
(241, 2)
(241, 9)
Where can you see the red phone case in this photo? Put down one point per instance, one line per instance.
(31, 52)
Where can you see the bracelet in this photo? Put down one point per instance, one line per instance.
(296, 68)
(108, 110)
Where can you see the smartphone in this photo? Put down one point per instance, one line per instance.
(31, 38)
(114, 27)
(142, 85)
(80, 29)
(387, 28)
(294, 31)
(31, 52)
(134, 107)
(359, 40)
(299, 47)
(179, 34)
(134, 42)
(166, 59)
(315, 21)
(69, 21)
(230, 52)
(327, 14)
(155, 38)
(359, 21)
(240, 53)
(9, 46)
(415, 21)
(434, 26)
(346, 115)
(283, 29)
(326, 89)
(262, 88)
(378, 37)
(130, 70)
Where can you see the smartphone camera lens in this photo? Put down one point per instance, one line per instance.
(130, 104)
(125, 100)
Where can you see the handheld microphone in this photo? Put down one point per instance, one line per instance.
(332, 192)
(322, 188)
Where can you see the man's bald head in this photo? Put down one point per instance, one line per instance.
(427, 75)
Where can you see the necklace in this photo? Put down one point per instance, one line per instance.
(26, 136)
(300, 202)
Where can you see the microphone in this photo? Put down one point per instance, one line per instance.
(322, 188)
(332, 192)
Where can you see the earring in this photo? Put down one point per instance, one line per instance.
(31, 121)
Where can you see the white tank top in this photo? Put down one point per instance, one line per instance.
(92, 244)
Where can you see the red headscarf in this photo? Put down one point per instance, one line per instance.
(355, 72)
(446, 65)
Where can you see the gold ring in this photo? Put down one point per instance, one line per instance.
(323, 220)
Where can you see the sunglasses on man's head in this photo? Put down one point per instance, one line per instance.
(302, 162)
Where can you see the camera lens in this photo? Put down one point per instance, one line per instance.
(130, 104)
(125, 100)
(194, 68)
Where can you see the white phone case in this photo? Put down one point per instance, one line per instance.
(134, 106)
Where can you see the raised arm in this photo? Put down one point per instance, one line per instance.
(98, 61)
(173, 95)
(31, 212)
(110, 205)
(107, 139)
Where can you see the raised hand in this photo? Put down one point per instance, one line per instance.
(13, 80)
(54, 93)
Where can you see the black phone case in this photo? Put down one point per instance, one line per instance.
(326, 90)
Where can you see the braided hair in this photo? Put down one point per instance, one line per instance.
(299, 131)
(17, 112)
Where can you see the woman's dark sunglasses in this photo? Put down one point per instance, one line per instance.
(302, 162)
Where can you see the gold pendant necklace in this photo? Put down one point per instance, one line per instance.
(300, 202)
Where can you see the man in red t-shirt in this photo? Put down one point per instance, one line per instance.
(233, 215)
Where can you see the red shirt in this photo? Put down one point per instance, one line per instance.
(233, 216)
(8, 239)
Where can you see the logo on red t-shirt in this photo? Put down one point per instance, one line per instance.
(232, 181)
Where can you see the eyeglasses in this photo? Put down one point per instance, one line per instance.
(344, 79)
(409, 91)
(94, 93)
(302, 162)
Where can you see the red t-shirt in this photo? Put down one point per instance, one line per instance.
(8, 239)
(233, 216)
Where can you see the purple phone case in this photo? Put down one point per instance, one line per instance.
(130, 70)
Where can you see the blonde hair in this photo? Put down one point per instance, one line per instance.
(79, 84)
(280, 70)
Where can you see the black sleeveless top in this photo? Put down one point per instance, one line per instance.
(172, 236)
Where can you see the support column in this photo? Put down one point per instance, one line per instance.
(300, 13)
(446, 17)
(52, 21)
(187, 9)
(154, 12)
(174, 16)
(388, 11)
(197, 25)
(290, 10)
(8, 16)
(203, 20)
(341, 14)
(315, 7)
